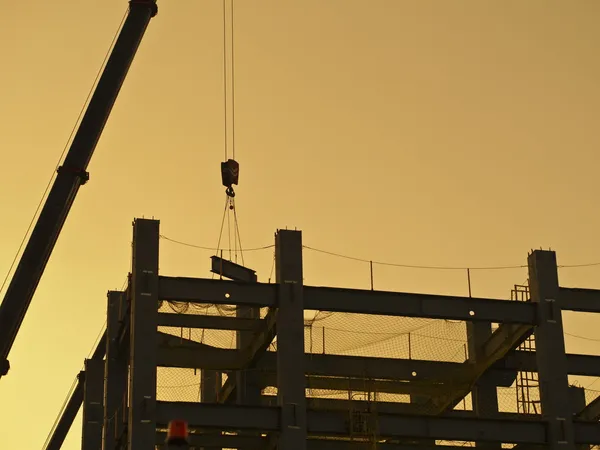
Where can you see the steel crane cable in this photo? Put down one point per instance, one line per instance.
(230, 208)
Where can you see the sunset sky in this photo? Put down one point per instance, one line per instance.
(456, 133)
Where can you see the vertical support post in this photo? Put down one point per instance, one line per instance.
(115, 370)
(550, 350)
(290, 340)
(93, 399)
(484, 396)
(143, 331)
(248, 386)
(211, 381)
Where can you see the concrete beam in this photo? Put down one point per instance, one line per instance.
(335, 423)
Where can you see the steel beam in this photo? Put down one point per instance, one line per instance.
(115, 370)
(199, 290)
(584, 365)
(231, 270)
(141, 428)
(208, 322)
(502, 373)
(586, 433)
(418, 305)
(60, 431)
(335, 423)
(212, 440)
(93, 409)
(550, 350)
(484, 397)
(172, 351)
(290, 340)
(591, 412)
(397, 408)
(582, 300)
(218, 292)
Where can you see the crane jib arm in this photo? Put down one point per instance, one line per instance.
(71, 175)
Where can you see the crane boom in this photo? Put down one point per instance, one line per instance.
(71, 175)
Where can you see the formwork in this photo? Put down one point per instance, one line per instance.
(254, 365)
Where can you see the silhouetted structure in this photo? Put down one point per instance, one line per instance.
(280, 384)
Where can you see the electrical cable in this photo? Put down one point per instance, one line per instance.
(212, 249)
(412, 266)
(62, 154)
(383, 263)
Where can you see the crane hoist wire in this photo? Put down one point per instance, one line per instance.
(230, 168)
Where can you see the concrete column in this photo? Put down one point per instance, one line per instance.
(115, 371)
(290, 340)
(550, 350)
(93, 411)
(143, 336)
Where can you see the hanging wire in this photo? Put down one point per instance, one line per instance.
(237, 231)
(62, 154)
(382, 263)
(411, 266)
(212, 249)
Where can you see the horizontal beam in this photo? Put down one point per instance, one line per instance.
(583, 365)
(222, 292)
(218, 416)
(582, 300)
(173, 351)
(208, 322)
(418, 305)
(335, 423)
(502, 373)
(586, 433)
(220, 440)
(231, 270)
(218, 292)
(391, 408)
(246, 442)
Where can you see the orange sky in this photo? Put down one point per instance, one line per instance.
(434, 133)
